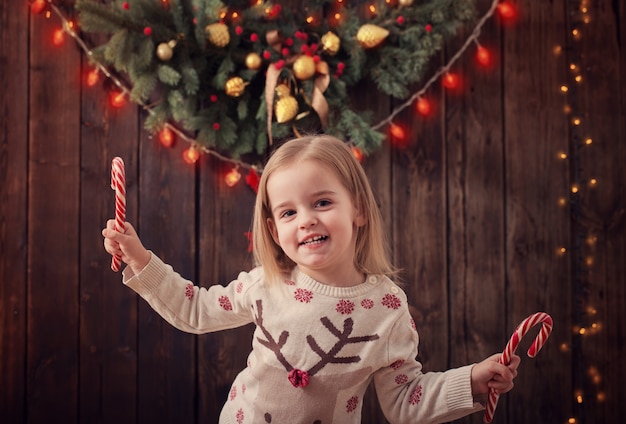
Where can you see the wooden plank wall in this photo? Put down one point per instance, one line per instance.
(478, 206)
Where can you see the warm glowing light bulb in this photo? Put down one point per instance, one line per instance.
(310, 19)
(92, 77)
(372, 8)
(593, 181)
(576, 121)
(397, 132)
(564, 88)
(191, 155)
(117, 99)
(562, 251)
(562, 201)
(588, 141)
(166, 137)
(38, 6)
(58, 36)
(423, 106)
(572, 66)
(232, 177)
(483, 56)
(357, 153)
(506, 10)
(451, 80)
(571, 421)
(557, 50)
(575, 188)
(579, 397)
(562, 155)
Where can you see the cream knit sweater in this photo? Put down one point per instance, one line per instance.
(315, 348)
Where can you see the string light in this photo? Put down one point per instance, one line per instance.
(483, 56)
(117, 99)
(38, 6)
(191, 155)
(423, 106)
(232, 177)
(92, 77)
(451, 81)
(58, 36)
(166, 137)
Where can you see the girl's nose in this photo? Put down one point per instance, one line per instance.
(307, 219)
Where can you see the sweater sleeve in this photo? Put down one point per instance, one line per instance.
(188, 307)
(406, 394)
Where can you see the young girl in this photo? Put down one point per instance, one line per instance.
(328, 318)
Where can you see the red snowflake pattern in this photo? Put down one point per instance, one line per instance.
(240, 416)
(290, 282)
(189, 291)
(413, 326)
(367, 303)
(352, 404)
(401, 379)
(243, 389)
(345, 307)
(233, 392)
(391, 301)
(225, 303)
(416, 396)
(397, 364)
(239, 287)
(303, 295)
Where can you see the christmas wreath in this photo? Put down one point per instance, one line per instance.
(238, 76)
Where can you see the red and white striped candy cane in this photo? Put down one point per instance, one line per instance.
(511, 346)
(118, 183)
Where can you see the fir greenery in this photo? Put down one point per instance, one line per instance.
(188, 89)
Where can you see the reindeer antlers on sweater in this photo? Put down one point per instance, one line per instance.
(343, 339)
(330, 357)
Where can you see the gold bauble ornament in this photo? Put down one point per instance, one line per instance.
(331, 43)
(235, 86)
(304, 67)
(217, 34)
(286, 107)
(253, 61)
(165, 51)
(370, 35)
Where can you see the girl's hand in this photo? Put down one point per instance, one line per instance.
(127, 245)
(490, 374)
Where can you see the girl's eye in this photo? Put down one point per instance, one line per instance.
(287, 214)
(323, 203)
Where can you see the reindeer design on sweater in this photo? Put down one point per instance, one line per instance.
(302, 379)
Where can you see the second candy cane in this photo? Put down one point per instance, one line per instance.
(118, 183)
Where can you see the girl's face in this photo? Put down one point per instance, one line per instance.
(314, 221)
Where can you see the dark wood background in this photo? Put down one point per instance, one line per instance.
(472, 207)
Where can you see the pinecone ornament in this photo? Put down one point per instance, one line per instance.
(370, 35)
(331, 43)
(217, 34)
(235, 86)
(286, 107)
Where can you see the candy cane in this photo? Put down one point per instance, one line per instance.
(509, 350)
(118, 183)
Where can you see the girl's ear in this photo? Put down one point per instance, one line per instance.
(360, 219)
(273, 231)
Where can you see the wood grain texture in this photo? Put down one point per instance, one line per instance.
(471, 204)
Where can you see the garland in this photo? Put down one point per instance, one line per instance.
(232, 79)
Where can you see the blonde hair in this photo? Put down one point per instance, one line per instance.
(371, 255)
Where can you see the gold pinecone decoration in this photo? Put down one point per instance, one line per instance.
(331, 43)
(370, 35)
(235, 86)
(217, 34)
(286, 107)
